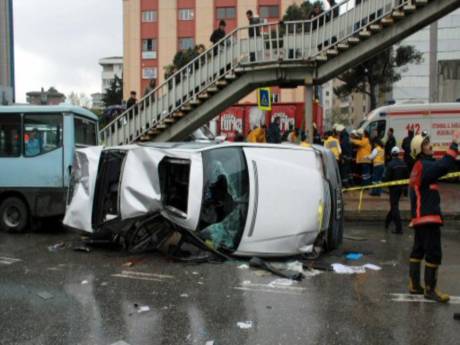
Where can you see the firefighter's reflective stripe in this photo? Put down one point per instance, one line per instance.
(380, 158)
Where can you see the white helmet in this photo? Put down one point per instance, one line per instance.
(339, 128)
(416, 145)
(395, 151)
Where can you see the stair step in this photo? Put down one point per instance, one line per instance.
(410, 8)
(353, 40)
(238, 70)
(186, 108)
(397, 14)
(203, 96)
(387, 21)
(365, 34)
(342, 46)
(169, 120)
(421, 2)
(195, 102)
(321, 58)
(212, 89)
(178, 114)
(162, 126)
(221, 83)
(332, 52)
(375, 28)
(153, 132)
(144, 138)
(230, 76)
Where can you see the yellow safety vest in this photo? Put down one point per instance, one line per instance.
(333, 145)
(380, 158)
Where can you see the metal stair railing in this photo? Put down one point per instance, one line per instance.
(244, 48)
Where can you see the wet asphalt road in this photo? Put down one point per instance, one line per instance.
(90, 297)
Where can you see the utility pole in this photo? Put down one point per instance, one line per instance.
(433, 75)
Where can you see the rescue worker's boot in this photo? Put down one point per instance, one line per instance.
(414, 277)
(431, 278)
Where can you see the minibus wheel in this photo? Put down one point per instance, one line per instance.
(14, 215)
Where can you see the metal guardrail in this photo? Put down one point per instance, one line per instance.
(282, 42)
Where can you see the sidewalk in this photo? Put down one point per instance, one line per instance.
(376, 208)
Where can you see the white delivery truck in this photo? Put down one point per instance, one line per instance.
(440, 120)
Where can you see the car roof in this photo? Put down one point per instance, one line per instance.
(64, 108)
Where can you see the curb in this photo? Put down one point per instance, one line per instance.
(373, 216)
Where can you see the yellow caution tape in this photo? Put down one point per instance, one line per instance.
(389, 184)
(394, 183)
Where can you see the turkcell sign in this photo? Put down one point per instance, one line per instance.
(264, 99)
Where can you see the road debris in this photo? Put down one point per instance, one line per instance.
(353, 256)
(344, 269)
(243, 267)
(82, 249)
(56, 247)
(259, 263)
(84, 282)
(45, 295)
(120, 342)
(143, 309)
(8, 261)
(245, 324)
(210, 342)
(457, 316)
(184, 295)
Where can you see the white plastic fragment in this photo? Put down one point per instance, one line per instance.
(281, 282)
(244, 324)
(184, 295)
(243, 267)
(344, 269)
(84, 282)
(143, 309)
(120, 342)
(373, 267)
(210, 342)
(295, 266)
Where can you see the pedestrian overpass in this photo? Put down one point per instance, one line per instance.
(285, 54)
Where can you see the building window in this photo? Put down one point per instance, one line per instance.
(149, 45)
(226, 12)
(275, 97)
(149, 73)
(10, 134)
(185, 14)
(269, 11)
(186, 43)
(149, 16)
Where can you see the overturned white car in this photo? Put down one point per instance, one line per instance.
(242, 199)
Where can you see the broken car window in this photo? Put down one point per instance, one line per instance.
(225, 197)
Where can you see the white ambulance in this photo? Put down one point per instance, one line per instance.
(439, 120)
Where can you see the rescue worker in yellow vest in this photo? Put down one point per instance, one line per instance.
(332, 143)
(257, 135)
(303, 140)
(362, 156)
(426, 214)
(377, 157)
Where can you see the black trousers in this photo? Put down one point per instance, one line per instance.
(427, 244)
(394, 216)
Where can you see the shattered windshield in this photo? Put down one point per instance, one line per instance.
(225, 197)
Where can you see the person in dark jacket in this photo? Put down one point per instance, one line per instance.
(406, 148)
(254, 31)
(396, 170)
(217, 35)
(426, 214)
(274, 132)
(131, 100)
(391, 142)
(346, 158)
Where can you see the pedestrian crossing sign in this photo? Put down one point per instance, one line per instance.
(264, 98)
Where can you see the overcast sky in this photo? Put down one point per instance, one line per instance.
(59, 42)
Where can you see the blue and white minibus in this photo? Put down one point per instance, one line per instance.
(36, 151)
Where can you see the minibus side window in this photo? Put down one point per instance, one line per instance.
(85, 131)
(10, 134)
(42, 134)
(379, 126)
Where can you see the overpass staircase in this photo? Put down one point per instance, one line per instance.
(285, 54)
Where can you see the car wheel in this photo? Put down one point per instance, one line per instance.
(335, 231)
(14, 215)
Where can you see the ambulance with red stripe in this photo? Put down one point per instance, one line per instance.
(439, 120)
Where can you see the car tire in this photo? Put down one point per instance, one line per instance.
(14, 215)
(334, 236)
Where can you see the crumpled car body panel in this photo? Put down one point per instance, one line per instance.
(81, 192)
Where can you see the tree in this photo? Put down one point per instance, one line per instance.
(79, 100)
(378, 74)
(114, 94)
(302, 12)
(181, 58)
